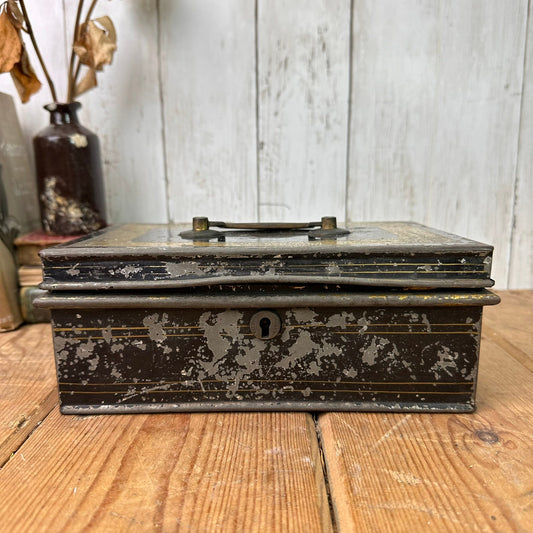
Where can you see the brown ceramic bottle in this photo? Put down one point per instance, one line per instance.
(69, 174)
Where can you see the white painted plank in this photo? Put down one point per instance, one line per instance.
(303, 73)
(208, 73)
(125, 112)
(435, 113)
(48, 26)
(521, 260)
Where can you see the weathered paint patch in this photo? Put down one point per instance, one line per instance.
(302, 346)
(129, 270)
(185, 268)
(322, 355)
(303, 316)
(446, 362)
(340, 320)
(219, 329)
(73, 271)
(155, 324)
(373, 350)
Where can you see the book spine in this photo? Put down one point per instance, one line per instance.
(10, 316)
(29, 255)
(30, 276)
(30, 313)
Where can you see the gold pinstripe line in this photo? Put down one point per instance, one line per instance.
(383, 333)
(274, 390)
(279, 381)
(289, 266)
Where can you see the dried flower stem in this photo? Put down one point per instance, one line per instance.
(74, 78)
(90, 12)
(71, 80)
(37, 51)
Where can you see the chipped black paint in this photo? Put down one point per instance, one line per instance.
(136, 256)
(384, 318)
(354, 356)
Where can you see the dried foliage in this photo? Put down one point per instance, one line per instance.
(95, 46)
(24, 77)
(15, 14)
(95, 42)
(10, 45)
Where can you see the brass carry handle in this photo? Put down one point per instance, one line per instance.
(201, 227)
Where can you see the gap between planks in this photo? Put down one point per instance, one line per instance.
(498, 435)
(236, 471)
(444, 472)
(29, 392)
(26, 427)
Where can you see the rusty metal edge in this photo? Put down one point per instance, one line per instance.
(251, 300)
(243, 406)
(465, 283)
(467, 246)
(312, 249)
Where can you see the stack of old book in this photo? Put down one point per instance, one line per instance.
(19, 207)
(10, 316)
(30, 273)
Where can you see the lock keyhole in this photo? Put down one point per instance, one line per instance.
(264, 324)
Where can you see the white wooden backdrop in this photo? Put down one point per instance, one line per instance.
(293, 109)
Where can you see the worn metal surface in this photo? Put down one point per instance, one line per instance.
(179, 357)
(201, 228)
(387, 254)
(267, 319)
(257, 296)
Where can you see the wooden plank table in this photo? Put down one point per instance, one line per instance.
(271, 472)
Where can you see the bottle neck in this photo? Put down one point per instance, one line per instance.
(63, 113)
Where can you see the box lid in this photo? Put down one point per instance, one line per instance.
(386, 254)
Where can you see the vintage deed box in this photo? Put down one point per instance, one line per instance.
(378, 316)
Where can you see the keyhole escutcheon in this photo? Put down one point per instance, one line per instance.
(265, 324)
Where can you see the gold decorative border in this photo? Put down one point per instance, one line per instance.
(262, 391)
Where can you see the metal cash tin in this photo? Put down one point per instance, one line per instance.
(380, 316)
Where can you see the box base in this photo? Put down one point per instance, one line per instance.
(369, 352)
(267, 406)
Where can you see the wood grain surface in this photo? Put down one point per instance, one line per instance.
(303, 52)
(264, 471)
(521, 257)
(272, 109)
(510, 325)
(433, 136)
(202, 472)
(462, 472)
(208, 92)
(27, 384)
